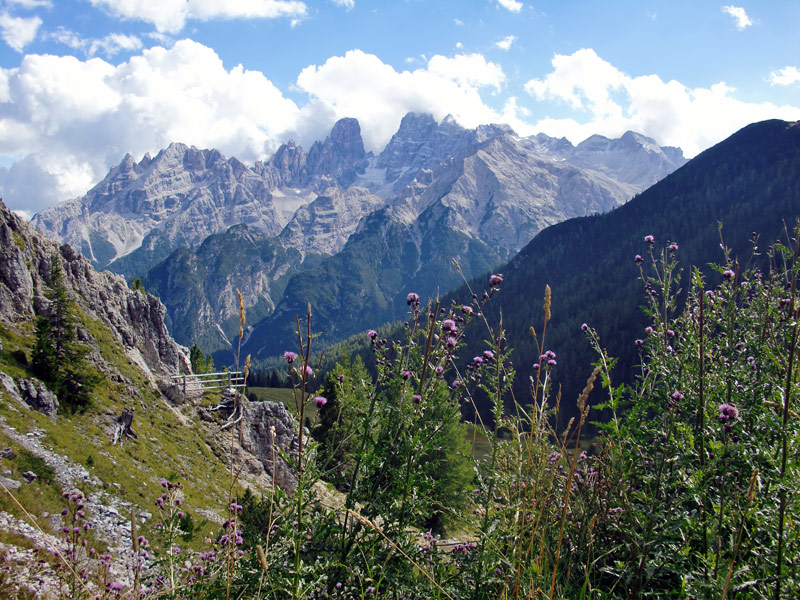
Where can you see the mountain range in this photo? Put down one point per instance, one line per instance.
(338, 226)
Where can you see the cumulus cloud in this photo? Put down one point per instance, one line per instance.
(170, 16)
(18, 32)
(360, 85)
(739, 16)
(614, 102)
(505, 43)
(785, 76)
(512, 5)
(348, 4)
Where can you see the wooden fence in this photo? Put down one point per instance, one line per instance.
(210, 381)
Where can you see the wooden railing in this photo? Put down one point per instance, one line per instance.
(209, 381)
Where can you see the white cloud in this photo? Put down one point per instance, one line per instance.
(109, 45)
(31, 3)
(505, 43)
(71, 120)
(785, 76)
(511, 5)
(348, 4)
(171, 15)
(360, 85)
(739, 16)
(614, 102)
(18, 32)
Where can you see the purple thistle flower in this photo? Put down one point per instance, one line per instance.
(638, 259)
(372, 334)
(405, 374)
(477, 360)
(289, 356)
(412, 298)
(676, 395)
(308, 371)
(495, 280)
(639, 343)
(728, 274)
(467, 310)
(456, 384)
(451, 342)
(584, 327)
(320, 401)
(488, 355)
(649, 239)
(552, 362)
(417, 398)
(673, 247)
(727, 412)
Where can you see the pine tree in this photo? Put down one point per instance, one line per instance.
(59, 359)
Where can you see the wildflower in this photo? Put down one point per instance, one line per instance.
(320, 401)
(727, 412)
(467, 310)
(649, 239)
(495, 280)
(417, 398)
(488, 355)
(456, 384)
(451, 342)
(412, 298)
(405, 374)
(648, 330)
(372, 334)
(673, 247)
(308, 371)
(676, 395)
(639, 343)
(477, 360)
(584, 327)
(449, 325)
(728, 274)
(638, 259)
(439, 369)
(290, 357)
(340, 378)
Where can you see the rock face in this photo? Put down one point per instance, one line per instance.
(267, 429)
(134, 318)
(38, 397)
(196, 226)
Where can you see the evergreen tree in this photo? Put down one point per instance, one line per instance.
(59, 359)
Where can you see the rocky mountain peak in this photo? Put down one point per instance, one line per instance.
(340, 157)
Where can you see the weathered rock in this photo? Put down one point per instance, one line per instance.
(10, 484)
(8, 385)
(8, 453)
(38, 397)
(29, 476)
(266, 431)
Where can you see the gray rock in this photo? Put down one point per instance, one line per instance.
(38, 397)
(8, 453)
(29, 476)
(7, 384)
(10, 484)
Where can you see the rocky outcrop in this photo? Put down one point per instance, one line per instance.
(266, 432)
(135, 319)
(38, 397)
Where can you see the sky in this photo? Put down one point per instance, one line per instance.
(85, 82)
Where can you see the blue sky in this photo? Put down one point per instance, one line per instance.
(83, 82)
